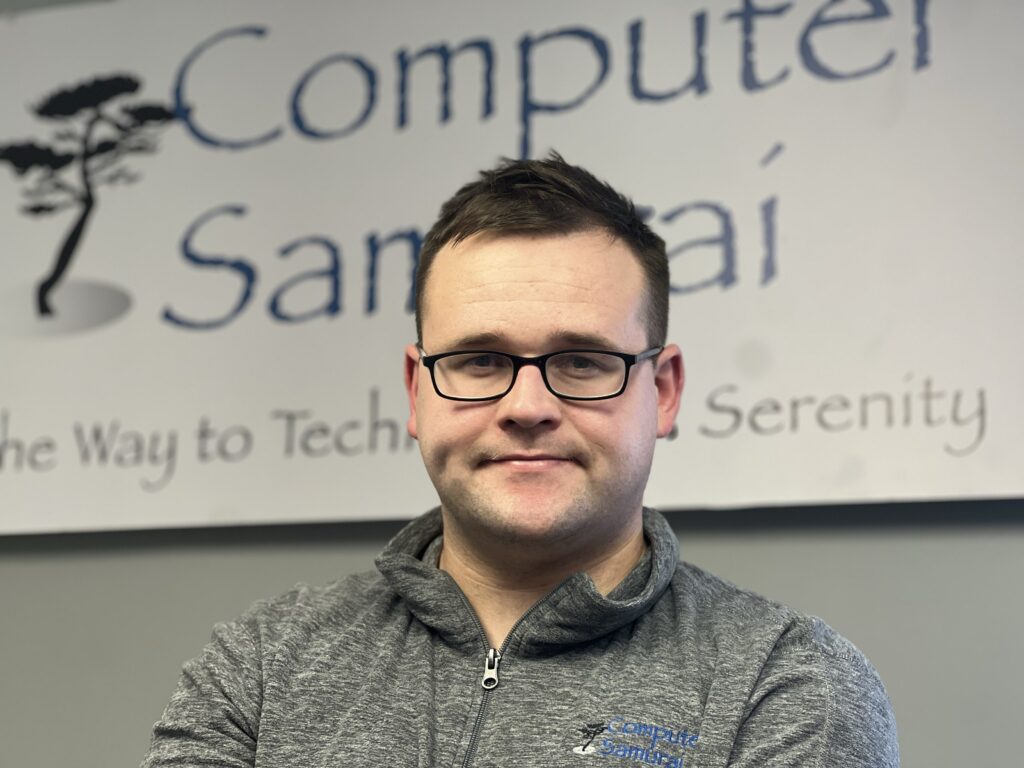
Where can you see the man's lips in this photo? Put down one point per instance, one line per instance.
(535, 461)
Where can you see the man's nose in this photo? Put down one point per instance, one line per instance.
(530, 403)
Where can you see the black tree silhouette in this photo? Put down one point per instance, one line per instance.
(95, 138)
(591, 731)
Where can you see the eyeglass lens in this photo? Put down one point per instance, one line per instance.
(489, 374)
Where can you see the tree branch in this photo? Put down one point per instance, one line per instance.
(141, 143)
(118, 176)
(39, 194)
(136, 144)
(51, 184)
(67, 134)
(101, 163)
(103, 117)
(46, 209)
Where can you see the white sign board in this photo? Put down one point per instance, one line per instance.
(210, 215)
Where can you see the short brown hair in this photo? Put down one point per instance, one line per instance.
(549, 197)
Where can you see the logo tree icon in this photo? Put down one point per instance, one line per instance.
(87, 150)
(590, 732)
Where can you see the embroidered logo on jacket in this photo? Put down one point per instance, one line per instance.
(646, 743)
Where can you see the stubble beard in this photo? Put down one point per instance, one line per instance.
(584, 520)
(496, 517)
(519, 520)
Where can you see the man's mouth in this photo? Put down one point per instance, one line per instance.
(529, 460)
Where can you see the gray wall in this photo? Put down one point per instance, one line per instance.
(94, 627)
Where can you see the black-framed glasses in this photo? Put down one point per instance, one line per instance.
(572, 374)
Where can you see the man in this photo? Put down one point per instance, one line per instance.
(540, 617)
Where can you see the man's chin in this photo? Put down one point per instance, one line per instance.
(526, 517)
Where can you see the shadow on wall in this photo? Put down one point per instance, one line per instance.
(14, 7)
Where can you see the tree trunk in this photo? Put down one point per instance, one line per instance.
(67, 250)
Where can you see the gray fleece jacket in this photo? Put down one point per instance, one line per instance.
(673, 668)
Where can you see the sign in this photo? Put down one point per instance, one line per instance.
(210, 215)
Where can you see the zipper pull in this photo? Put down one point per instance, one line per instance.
(491, 669)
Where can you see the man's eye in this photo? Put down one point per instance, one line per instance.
(580, 365)
(477, 364)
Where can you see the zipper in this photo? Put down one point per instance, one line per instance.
(491, 669)
(490, 653)
(491, 660)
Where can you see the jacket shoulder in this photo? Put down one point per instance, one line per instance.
(720, 606)
(803, 680)
(308, 611)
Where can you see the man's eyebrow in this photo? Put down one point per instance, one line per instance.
(584, 340)
(553, 341)
(477, 341)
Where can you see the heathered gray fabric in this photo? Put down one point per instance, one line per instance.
(675, 668)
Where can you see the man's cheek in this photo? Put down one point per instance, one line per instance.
(439, 451)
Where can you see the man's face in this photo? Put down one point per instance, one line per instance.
(531, 466)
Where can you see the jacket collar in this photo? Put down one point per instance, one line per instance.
(575, 612)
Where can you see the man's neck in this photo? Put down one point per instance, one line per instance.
(502, 590)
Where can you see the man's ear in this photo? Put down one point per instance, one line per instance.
(412, 383)
(669, 378)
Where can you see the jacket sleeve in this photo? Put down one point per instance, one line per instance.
(213, 716)
(818, 703)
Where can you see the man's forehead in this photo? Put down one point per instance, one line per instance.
(584, 288)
